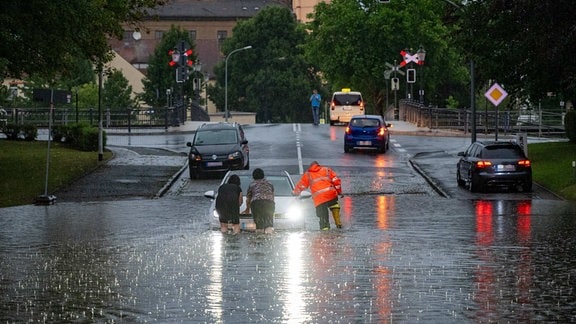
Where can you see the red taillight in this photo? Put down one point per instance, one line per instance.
(332, 105)
(347, 130)
(524, 163)
(483, 164)
(361, 105)
(381, 131)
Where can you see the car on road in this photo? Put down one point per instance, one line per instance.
(218, 147)
(344, 105)
(290, 211)
(367, 132)
(494, 164)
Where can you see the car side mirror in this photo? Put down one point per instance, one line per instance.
(461, 154)
(244, 142)
(189, 144)
(304, 195)
(210, 194)
(388, 125)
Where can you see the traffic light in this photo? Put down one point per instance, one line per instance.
(411, 75)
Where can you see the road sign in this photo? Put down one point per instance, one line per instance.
(411, 77)
(496, 94)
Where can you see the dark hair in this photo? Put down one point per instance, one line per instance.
(234, 179)
(258, 174)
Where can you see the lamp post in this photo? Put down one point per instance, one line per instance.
(421, 57)
(226, 79)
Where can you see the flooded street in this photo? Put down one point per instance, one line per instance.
(158, 261)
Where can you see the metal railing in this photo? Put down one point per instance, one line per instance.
(488, 121)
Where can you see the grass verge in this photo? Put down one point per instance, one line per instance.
(552, 167)
(23, 169)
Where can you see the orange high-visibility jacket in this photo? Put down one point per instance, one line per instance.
(323, 182)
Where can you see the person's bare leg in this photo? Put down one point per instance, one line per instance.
(235, 228)
(224, 228)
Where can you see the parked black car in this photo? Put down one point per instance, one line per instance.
(494, 164)
(218, 147)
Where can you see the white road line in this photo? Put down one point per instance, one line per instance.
(297, 128)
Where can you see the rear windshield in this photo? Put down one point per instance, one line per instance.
(502, 152)
(214, 137)
(347, 99)
(365, 122)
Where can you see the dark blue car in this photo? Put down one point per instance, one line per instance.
(367, 132)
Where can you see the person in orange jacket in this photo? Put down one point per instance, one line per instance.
(325, 187)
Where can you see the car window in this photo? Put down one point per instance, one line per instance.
(347, 99)
(365, 122)
(281, 184)
(214, 137)
(502, 152)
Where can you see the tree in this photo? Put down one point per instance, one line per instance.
(525, 45)
(351, 42)
(116, 93)
(160, 76)
(272, 79)
(47, 37)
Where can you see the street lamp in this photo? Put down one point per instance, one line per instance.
(226, 79)
(421, 57)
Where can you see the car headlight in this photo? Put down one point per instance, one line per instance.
(235, 155)
(294, 212)
(195, 156)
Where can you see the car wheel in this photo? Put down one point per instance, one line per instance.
(346, 149)
(527, 186)
(247, 167)
(459, 179)
(474, 184)
(193, 174)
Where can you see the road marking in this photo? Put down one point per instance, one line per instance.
(398, 147)
(297, 128)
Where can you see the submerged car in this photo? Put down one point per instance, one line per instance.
(494, 164)
(218, 147)
(367, 132)
(290, 211)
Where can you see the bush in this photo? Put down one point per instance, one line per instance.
(82, 137)
(15, 132)
(30, 132)
(60, 132)
(570, 125)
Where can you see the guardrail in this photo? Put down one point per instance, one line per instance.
(543, 123)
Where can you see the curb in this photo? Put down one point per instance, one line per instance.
(428, 179)
(171, 181)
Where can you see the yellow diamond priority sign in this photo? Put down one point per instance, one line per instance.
(496, 94)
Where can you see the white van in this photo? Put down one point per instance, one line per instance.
(344, 105)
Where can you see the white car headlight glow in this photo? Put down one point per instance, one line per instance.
(294, 212)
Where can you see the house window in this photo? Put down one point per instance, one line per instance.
(158, 34)
(192, 35)
(222, 34)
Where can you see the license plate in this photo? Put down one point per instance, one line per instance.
(365, 143)
(505, 167)
(214, 164)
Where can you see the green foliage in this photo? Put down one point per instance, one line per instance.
(525, 45)
(451, 102)
(352, 41)
(160, 76)
(79, 136)
(116, 93)
(570, 125)
(272, 79)
(49, 37)
(15, 132)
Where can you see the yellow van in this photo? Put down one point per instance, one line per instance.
(344, 105)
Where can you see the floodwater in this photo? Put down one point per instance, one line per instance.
(398, 259)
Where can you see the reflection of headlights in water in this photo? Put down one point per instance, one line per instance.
(294, 212)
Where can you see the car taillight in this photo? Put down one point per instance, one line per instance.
(483, 164)
(361, 105)
(524, 163)
(332, 105)
(381, 131)
(347, 131)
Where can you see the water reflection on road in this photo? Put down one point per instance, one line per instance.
(399, 258)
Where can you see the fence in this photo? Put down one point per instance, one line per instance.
(541, 122)
(117, 118)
